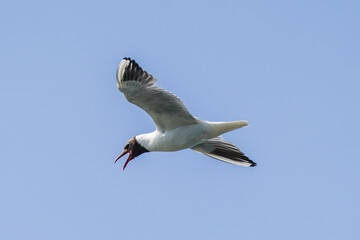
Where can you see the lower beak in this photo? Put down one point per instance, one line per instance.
(128, 160)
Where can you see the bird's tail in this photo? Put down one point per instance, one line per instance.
(224, 127)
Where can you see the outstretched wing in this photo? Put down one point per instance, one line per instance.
(224, 151)
(138, 87)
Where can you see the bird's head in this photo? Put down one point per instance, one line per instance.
(133, 148)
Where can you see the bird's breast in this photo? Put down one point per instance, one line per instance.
(175, 139)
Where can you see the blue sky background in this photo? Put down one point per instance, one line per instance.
(291, 68)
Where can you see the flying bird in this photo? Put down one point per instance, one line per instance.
(176, 128)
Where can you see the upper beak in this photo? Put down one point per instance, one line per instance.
(122, 154)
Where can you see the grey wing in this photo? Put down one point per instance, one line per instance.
(138, 87)
(224, 151)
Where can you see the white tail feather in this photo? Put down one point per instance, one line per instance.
(224, 127)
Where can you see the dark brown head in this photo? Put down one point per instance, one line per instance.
(133, 148)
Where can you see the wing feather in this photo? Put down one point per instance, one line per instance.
(138, 87)
(224, 151)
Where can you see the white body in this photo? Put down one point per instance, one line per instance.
(186, 136)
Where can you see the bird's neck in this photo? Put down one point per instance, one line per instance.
(147, 140)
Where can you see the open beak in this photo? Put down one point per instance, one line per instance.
(122, 154)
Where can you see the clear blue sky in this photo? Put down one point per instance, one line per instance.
(291, 68)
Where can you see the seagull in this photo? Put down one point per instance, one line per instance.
(176, 128)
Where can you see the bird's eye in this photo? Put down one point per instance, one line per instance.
(126, 146)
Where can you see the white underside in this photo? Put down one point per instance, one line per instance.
(186, 136)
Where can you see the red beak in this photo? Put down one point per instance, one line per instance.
(128, 160)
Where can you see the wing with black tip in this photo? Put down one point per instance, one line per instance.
(138, 87)
(224, 151)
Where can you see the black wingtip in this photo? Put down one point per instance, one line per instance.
(253, 164)
(132, 71)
